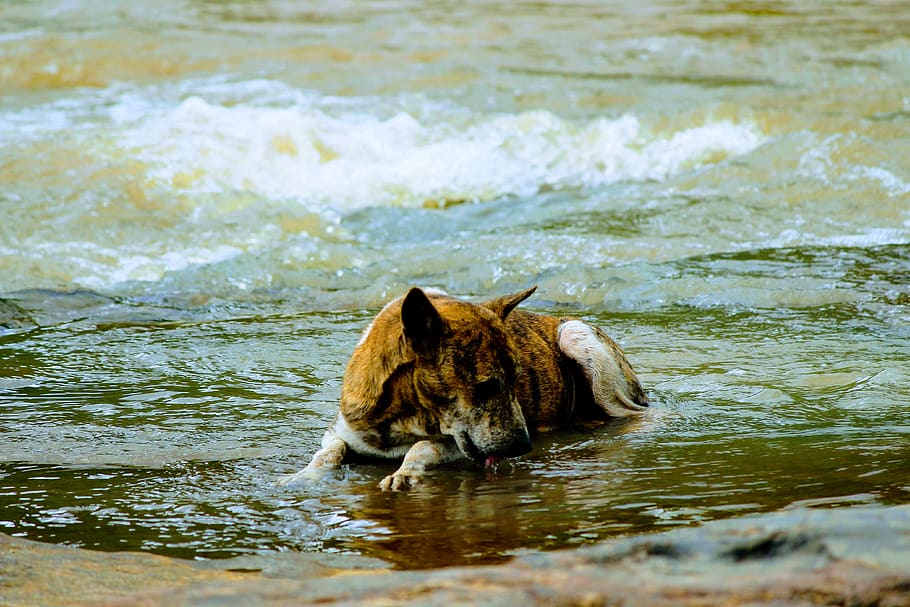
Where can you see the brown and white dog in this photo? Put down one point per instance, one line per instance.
(435, 379)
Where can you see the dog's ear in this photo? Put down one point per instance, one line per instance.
(503, 305)
(423, 326)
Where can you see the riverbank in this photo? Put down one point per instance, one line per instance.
(848, 556)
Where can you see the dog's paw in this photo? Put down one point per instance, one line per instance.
(400, 481)
(291, 479)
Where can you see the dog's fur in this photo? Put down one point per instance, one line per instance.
(436, 379)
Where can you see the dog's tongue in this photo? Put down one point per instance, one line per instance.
(491, 461)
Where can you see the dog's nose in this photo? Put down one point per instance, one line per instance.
(519, 446)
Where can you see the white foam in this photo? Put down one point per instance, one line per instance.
(890, 183)
(101, 274)
(20, 35)
(354, 159)
(871, 237)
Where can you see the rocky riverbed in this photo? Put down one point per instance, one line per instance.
(850, 556)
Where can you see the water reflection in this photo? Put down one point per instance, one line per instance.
(576, 487)
(474, 516)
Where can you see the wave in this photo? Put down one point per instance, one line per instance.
(253, 185)
(356, 159)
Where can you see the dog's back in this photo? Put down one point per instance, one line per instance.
(553, 388)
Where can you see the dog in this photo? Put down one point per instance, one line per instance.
(436, 379)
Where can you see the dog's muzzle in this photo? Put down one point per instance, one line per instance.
(519, 445)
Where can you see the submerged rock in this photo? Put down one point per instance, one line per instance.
(852, 556)
(13, 317)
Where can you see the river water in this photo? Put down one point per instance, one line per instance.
(204, 203)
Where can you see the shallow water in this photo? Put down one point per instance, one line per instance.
(205, 203)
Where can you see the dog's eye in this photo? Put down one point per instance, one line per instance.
(489, 388)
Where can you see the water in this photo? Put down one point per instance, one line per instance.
(205, 203)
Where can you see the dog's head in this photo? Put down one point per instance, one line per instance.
(465, 372)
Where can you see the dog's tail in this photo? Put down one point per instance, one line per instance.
(615, 387)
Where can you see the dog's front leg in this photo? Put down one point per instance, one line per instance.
(329, 456)
(422, 455)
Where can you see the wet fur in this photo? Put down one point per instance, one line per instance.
(435, 379)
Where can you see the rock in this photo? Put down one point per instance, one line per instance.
(13, 317)
(32, 573)
(852, 556)
(42, 574)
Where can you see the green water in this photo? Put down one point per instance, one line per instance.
(205, 203)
